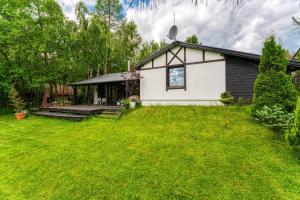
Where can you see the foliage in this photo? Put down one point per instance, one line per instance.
(139, 151)
(192, 39)
(6, 111)
(293, 136)
(4, 88)
(226, 98)
(125, 103)
(273, 57)
(16, 100)
(134, 98)
(150, 47)
(274, 88)
(243, 101)
(272, 85)
(276, 118)
(39, 45)
(296, 80)
(61, 101)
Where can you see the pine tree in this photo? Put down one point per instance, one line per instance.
(272, 85)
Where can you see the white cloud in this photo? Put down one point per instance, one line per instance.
(242, 28)
(235, 27)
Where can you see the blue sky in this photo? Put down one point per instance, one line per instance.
(241, 28)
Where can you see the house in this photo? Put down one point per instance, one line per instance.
(189, 74)
(184, 74)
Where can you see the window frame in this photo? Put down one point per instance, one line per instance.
(168, 87)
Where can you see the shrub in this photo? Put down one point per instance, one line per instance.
(138, 104)
(243, 101)
(273, 57)
(293, 136)
(125, 103)
(272, 85)
(6, 111)
(226, 98)
(274, 88)
(276, 118)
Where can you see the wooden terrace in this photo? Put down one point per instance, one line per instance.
(79, 112)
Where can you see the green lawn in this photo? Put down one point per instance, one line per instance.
(150, 153)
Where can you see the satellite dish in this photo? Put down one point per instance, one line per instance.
(173, 32)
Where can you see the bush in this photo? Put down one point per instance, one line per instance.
(276, 118)
(272, 85)
(4, 111)
(293, 136)
(243, 101)
(125, 103)
(273, 57)
(274, 88)
(226, 98)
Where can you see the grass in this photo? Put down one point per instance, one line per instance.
(150, 153)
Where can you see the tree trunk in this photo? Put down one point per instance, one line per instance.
(98, 70)
(63, 95)
(56, 92)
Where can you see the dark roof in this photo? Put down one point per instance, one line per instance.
(108, 78)
(294, 57)
(292, 63)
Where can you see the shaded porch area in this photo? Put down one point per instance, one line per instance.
(107, 90)
(104, 98)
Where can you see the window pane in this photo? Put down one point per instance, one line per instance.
(176, 77)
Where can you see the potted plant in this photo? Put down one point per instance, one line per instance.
(133, 99)
(17, 103)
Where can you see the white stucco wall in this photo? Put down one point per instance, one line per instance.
(204, 84)
(194, 55)
(213, 56)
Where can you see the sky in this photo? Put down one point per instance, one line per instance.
(217, 24)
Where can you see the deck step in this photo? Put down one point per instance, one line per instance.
(71, 111)
(60, 115)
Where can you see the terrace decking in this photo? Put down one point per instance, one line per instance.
(78, 112)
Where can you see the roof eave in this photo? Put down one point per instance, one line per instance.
(292, 63)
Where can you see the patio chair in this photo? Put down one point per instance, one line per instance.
(103, 101)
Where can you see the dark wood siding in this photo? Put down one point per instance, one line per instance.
(240, 76)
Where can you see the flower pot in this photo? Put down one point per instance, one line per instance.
(132, 105)
(20, 116)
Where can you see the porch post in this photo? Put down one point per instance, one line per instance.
(96, 94)
(74, 95)
(127, 88)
